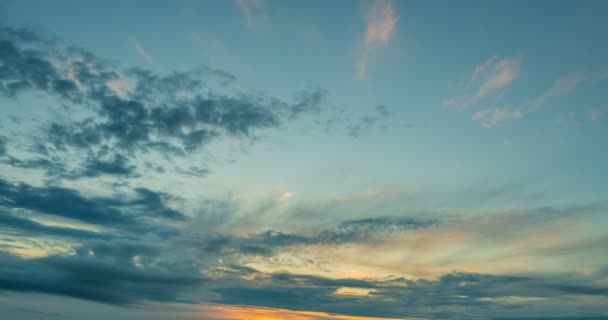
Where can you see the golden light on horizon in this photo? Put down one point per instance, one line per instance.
(237, 312)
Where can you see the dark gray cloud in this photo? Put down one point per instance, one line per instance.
(27, 65)
(91, 276)
(350, 231)
(371, 228)
(280, 239)
(146, 252)
(94, 166)
(128, 270)
(40, 313)
(361, 230)
(382, 110)
(119, 211)
(10, 223)
(133, 111)
(368, 122)
(118, 166)
(451, 296)
(3, 142)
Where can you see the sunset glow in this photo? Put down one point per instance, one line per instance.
(303, 160)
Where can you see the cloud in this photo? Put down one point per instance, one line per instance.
(381, 21)
(454, 295)
(383, 110)
(116, 279)
(488, 79)
(3, 142)
(120, 211)
(250, 8)
(141, 51)
(560, 87)
(486, 87)
(135, 245)
(118, 166)
(271, 242)
(376, 120)
(371, 228)
(129, 272)
(29, 69)
(492, 117)
(129, 112)
(501, 74)
(18, 225)
(592, 114)
(286, 196)
(267, 243)
(128, 266)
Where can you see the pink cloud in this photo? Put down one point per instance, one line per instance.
(381, 22)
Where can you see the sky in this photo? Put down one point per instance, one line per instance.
(309, 160)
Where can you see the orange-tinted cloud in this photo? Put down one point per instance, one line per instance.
(227, 312)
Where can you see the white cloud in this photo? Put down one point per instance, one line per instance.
(381, 22)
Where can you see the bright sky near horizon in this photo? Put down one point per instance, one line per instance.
(260, 159)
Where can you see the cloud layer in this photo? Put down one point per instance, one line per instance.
(83, 215)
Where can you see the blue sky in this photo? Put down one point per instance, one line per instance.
(258, 159)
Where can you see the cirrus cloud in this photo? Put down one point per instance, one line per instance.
(381, 21)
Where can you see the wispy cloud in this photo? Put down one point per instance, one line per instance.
(141, 51)
(560, 87)
(594, 114)
(486, 87)
(491, 117)
(249, 8)
(381, 22)
(499, 76)
(488, 79)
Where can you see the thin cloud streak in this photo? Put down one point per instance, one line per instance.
(249, 9)
(141, 51)
(492, 117)
(490, 79)
(381, 22)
